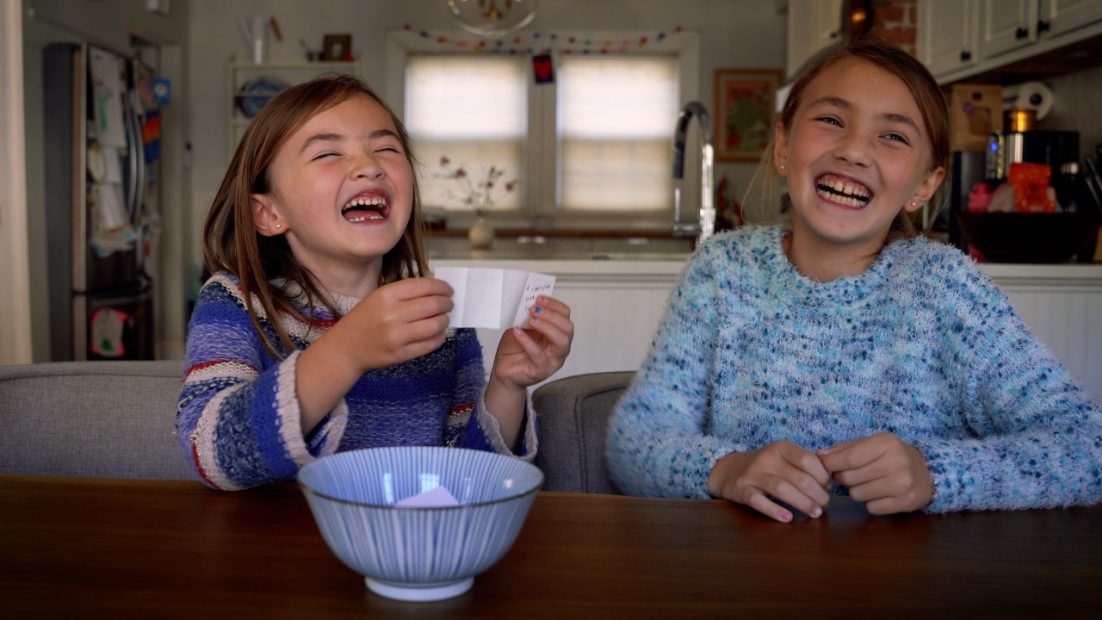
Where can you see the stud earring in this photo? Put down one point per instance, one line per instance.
(278, 226)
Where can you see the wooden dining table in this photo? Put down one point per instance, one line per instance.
(92, 548)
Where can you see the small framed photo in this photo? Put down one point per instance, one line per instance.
(745, 104)
(336, 47)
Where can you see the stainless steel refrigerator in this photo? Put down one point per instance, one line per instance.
(101, 299)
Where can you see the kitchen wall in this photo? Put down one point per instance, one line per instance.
(733, 33)
(1076, 98)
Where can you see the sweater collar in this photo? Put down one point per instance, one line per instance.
(788, 283)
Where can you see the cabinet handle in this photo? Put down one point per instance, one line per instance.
(835, 34)
(1021, 33)
(965, 56)
(1042, 26)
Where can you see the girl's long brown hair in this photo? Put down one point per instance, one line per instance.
(922, 86)
(230, 240)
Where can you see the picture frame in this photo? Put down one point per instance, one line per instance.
(336, 47)
(745, 110)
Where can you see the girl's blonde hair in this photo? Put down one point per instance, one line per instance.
(923, 88)
(230, 240)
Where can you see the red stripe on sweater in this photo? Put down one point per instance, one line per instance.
(199, 467)
(203, 365)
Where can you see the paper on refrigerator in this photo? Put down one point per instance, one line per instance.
(493, 298)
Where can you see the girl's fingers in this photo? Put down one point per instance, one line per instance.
(413, 310)
(860, 475)
(429, 328)
(559, 338)
(874, 490)
(536, 354)
(786, 492)
(758, 501)
(553, 305)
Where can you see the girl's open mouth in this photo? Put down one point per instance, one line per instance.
(843, 191)
(374, 208)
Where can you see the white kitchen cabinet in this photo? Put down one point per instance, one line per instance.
(1007, 25)
(1014, 24)
(1061, 16)
(242, 75)
(812, 25)
(947, 34)
(617, 305)
(960, 39)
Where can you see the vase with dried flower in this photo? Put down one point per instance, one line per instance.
(476, 192)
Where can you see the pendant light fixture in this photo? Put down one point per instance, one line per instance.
(493, 18)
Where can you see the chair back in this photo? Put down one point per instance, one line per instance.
(573, 423)
(98, 419)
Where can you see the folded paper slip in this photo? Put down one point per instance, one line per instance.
(493, 298)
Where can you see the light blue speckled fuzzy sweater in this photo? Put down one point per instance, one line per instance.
(921, 344)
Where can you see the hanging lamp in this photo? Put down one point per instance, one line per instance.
(493, 18)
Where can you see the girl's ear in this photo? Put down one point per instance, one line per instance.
(266, 217)
(780, 149)
(925, 190)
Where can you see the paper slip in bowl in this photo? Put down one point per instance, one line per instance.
(436, 497)
(493, 298)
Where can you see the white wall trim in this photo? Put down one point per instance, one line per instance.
(15, 290)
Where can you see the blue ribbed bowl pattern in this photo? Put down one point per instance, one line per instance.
(352, 496)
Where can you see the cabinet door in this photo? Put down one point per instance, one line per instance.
(1059, 16)
(947, 34)
(1007, 25)
(812, 25)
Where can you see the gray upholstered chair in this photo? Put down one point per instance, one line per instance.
(98, 419)
(573, 418)
(117, 420)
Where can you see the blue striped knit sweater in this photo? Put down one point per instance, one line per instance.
(921, 344)
(238, 419)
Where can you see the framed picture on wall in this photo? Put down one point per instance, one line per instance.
(744, 112)
(336, 47)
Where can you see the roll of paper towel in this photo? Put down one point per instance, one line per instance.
(1029, 96)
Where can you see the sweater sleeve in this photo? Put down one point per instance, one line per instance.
(481, 431)
(1038, 436)
(658, 444)
(238, 421)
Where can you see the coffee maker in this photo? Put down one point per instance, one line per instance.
(1055, 148)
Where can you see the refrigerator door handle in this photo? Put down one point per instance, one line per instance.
(135, 157)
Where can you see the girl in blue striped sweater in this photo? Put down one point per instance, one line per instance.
(318, 331)
(839, 349)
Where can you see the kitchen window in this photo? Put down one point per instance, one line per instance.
(591, 150)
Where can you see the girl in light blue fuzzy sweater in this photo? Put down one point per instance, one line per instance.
(841, 350)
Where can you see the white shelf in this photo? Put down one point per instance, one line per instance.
(241, 73)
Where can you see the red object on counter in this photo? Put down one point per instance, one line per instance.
(1030, 183)
(979, 198)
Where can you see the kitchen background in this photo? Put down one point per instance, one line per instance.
(196, 45)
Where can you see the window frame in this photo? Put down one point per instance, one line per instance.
(540, 205)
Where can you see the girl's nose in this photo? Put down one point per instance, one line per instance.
(854, 150)
(367, 166)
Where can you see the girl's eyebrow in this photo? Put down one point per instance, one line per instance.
(336, 137)
(844, 104)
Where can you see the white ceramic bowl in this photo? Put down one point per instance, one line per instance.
(419, 554)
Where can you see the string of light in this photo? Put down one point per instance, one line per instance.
(539, 43)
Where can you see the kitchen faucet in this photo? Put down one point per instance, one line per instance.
(707, 208)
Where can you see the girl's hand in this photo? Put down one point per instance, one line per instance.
(397, 322)
(882, 471)
(527, 356)
(781, 471)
